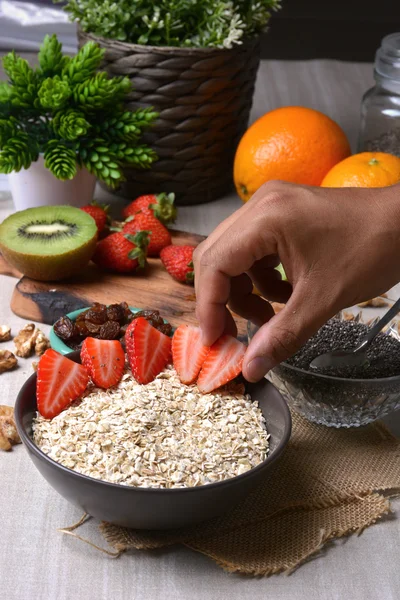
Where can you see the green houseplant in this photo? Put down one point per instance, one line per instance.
(69, 119)
(196, 63)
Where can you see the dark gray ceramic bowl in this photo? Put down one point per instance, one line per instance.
(147, 508)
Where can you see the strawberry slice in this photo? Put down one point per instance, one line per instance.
(188, 353)
(222, 364)
(60, 381)
(148, 350)
(104, 361)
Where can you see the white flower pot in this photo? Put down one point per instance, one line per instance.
(37, 186)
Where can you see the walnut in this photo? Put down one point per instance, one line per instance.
(29, 340)
(7, 361)
(8, 431)
(35, 365)
(42, 343)
(348, 316)
(25, 341)
(5, 333)
(375, 302)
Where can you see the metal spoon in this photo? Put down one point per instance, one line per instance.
(358, 355)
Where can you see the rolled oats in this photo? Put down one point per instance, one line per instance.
(163, 434)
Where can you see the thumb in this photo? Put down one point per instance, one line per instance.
(284, 334)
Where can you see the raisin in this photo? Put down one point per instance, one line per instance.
(165, 328)
(123, 328)
(128, 314)
(116, 312)
(65, 329)
(97, 314)
(81, 317)
(75, 345)
(93, 327)
(109, 331)
(81, 328)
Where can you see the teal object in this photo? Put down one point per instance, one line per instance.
(58, 345)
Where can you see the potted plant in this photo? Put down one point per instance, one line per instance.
(63, 124)
(196, 63)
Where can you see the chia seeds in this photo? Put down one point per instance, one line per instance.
(387, 142)
(383, 355)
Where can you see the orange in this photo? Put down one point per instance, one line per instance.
(292, 143)
(367, 169)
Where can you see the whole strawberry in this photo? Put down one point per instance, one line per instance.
(178, 260)
(99, 212)
(162, 206)
(121, 252)
(144, 220)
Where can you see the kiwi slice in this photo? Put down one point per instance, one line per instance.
(48, 243)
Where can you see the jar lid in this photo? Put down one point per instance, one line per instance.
(387, 58)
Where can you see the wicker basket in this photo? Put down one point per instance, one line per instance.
(204, 97)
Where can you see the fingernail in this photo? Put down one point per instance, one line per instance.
(258, 367)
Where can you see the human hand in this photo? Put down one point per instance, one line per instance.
(338, 247)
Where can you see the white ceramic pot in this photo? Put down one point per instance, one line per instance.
(37, 186)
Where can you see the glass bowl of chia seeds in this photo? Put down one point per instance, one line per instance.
(349, 397)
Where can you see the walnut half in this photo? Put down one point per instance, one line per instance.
(5, 333)
(8, 431)
(375, 302)
(7, 361)
(42, 343)
(29, 340)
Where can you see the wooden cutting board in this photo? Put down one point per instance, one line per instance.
(45, 302)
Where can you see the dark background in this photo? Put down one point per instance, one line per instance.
(340, 29)
(345, 30)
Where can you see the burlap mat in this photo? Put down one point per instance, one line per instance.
(328, 484)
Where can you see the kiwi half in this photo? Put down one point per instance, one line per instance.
(48, 243)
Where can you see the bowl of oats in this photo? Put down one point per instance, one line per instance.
(156, 455)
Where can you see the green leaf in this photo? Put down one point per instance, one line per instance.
(84, 64)
(164, 209)
(51, 59)
(54, 92)
(141, 241)
(8, 129)
(60, 160)
(99, 92)
(281, 271)
(23, 78)
(5, 92)
(70, 124)
(18, 152)
(126, 125)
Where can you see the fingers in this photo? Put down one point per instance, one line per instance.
(284, 334)
(234, 252)
(268, 282)
(246, 304)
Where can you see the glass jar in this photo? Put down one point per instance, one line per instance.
(380, 108)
